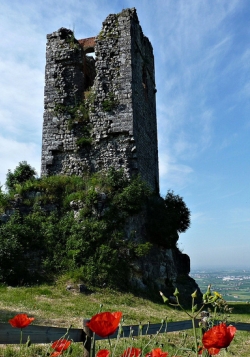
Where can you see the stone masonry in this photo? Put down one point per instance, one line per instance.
(101, 112)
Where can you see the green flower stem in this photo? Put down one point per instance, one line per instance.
(117, 339)
(181, 348)
(110, 346)
(92, 348)
(21, 337)
(152, 339)
(195, 337)
(178, 305)
(21, 340)
(193, 317)
(194, 328)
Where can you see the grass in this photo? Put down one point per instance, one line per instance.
(48, 303)
(54, 305)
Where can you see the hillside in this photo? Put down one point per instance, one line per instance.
(88, 226)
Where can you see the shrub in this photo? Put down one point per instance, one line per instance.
(4, 200)
(166, 218)
(11, 252)
(177, 211)
(133, 196)
(46, 239)
(53, 241)
(22, 173)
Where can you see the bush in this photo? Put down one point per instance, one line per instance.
(133, 196)
(22, 173)
(177, 211)
(46, 238)
(166, 218)
(18, 249)
(11, 256)
(4, 200)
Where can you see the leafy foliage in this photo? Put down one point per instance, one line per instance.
(166, 218)
(72, 223)
(22, 173)
(177, 211)
(83, 142)
(110, 102)
(48, 235)
(4, 200)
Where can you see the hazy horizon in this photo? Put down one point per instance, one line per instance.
(219, 268)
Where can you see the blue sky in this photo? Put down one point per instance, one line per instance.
(202, 67)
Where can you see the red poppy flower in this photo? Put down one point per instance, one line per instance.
(219, 336)
(157, 352)
(105, 323)
(21, 321)
(103, 353)
(211, 351)
(60, 345)
(132, 352)
(55, 354)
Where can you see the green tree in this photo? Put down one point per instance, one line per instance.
(166, 219)
(177, 212)
(22, 173)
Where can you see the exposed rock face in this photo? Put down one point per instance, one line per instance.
(163, 269)
(166, 270)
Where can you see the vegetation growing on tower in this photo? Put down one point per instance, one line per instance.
(71, 223)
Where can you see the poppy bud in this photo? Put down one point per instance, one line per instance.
(176, 293)
(165, 299)
(204, 298)
(207, 294)
(194, 295)
(208, 290)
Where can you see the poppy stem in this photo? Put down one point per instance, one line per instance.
(153, 338)
(21, 340)
(110, 346)
(117, 339)
(195, 337)
(92, 349)
(194, 329)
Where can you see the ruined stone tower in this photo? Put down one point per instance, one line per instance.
(101, 112)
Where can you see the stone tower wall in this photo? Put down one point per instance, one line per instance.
(101, 113)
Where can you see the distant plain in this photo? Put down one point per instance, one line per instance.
(233, 284)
